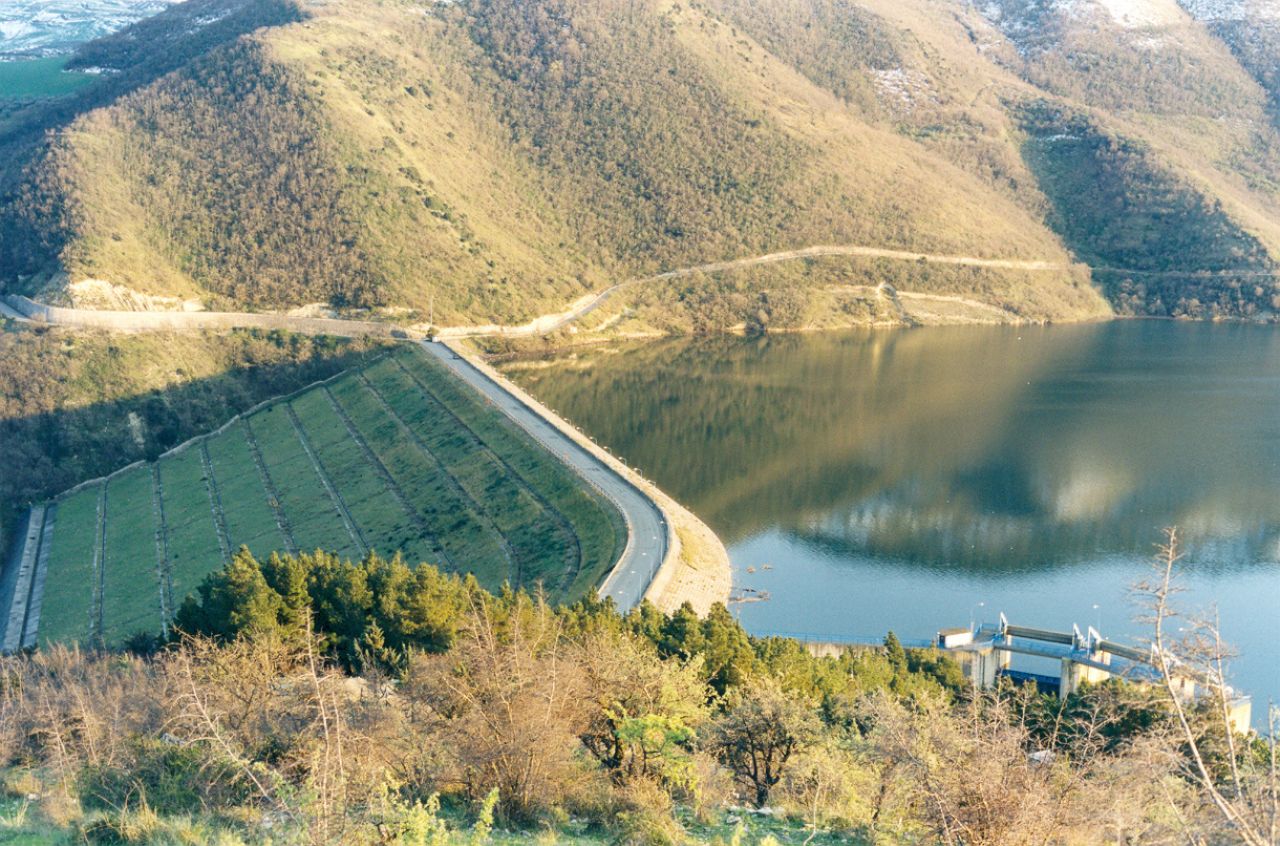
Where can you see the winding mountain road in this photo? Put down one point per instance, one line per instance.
(647, 527)
(584, 306)
(21, 308)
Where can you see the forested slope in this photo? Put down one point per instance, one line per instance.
(491, 160)
(487, 160)
(1151, 130)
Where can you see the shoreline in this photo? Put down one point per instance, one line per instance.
(595, 341)
(696, 567)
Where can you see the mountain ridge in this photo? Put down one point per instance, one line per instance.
(490, 161)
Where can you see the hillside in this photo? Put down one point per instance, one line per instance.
(1153, 137)
(492, 163)
(492, 160)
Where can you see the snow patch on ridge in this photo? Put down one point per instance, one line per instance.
(1142, 14)
(30, 28)
(903, 87)
(1035, 25)
(1233, 10)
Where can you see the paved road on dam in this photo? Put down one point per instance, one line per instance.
(646, 548)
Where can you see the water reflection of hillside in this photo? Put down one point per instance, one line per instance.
(1010, 545)
(1000, 449)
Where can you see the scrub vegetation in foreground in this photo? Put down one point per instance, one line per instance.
(322, 700)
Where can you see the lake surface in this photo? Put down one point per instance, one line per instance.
(917, 479)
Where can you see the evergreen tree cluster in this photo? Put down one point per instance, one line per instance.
(380, 611)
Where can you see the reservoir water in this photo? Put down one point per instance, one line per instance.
(919, 479)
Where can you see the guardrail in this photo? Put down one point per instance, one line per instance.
(843, 639)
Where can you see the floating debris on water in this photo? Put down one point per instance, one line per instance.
(748, 595)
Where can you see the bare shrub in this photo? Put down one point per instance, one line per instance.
(630, 684)
(759, 732)
(67, 710)
(645, 815)
(969, 773)
(823, 786)
(506, 707)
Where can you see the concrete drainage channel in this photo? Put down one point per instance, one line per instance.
(22, 582)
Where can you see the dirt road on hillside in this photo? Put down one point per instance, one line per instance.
(580, 309)
(21, 308)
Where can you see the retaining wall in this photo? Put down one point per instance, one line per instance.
(17, 578)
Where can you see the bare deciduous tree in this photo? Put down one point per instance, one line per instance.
(509, 704)
(1193, 672)
(628, 681)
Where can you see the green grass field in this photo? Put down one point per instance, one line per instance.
(69, 587)
(249, 518)
(597, 524)
(130, 586)
(315, 520)
(188, 520)
(399, 457)
(22, 78)
(532, 530)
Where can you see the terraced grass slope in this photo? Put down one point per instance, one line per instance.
(78, 405)
(394, 456)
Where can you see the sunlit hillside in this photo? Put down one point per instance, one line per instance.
(491, 160)
(494, 160)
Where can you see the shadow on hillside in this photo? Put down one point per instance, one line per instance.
(47, 453)
(1156, 243)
